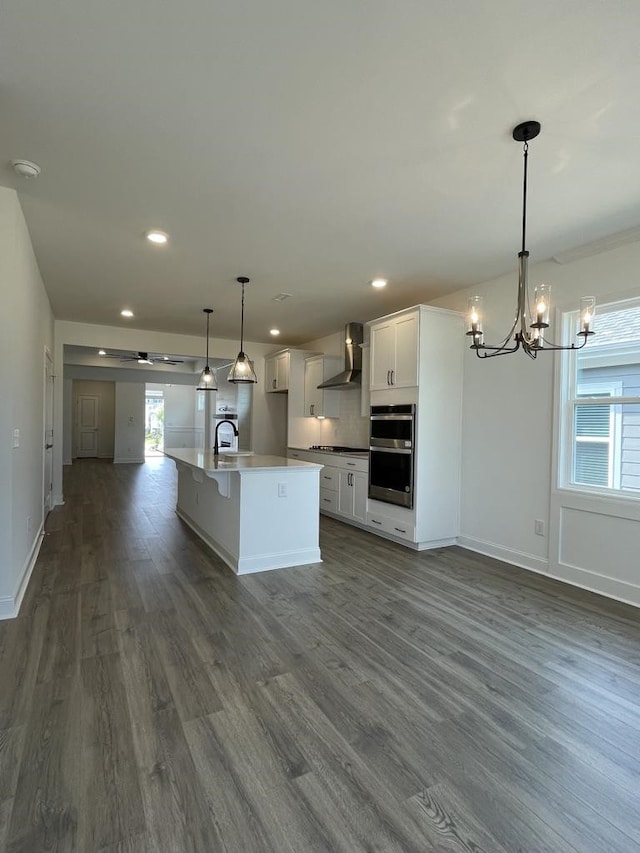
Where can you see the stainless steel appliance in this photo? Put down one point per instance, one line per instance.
(391, 453)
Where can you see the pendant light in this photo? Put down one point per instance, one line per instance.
(242, 372)
(528, 336)
(207, 381)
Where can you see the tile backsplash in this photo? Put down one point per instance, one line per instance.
(350, 429)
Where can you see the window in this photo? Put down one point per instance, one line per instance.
(600, 448)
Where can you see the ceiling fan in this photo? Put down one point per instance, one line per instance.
(146, 358)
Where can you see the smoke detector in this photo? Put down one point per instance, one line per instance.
(25, 168)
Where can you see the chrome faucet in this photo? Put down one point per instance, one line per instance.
(218, 425)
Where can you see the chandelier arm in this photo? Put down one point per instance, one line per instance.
(490, 352)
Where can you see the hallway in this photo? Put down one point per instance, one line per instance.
(384, 700)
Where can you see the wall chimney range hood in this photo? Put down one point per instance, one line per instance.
(352, 373)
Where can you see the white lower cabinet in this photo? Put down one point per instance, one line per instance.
(398, 528)
(352, 495)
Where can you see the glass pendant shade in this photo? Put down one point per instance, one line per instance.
(242, 371)
(207, 380)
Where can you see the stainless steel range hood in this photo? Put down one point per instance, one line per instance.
(352, 373)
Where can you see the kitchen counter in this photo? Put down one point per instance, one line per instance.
(357, 454)
(256, 512)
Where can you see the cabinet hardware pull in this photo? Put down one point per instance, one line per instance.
(388, 377)
(373, 521)
(352, 464)
(393, 377)
(327, 500)
(400, 530)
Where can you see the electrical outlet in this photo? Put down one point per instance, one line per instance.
(538, 527)
(16, 438)
(282, 490)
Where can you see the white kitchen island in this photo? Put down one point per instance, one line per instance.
(256, 512)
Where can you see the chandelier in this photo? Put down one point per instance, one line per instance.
(529, 326)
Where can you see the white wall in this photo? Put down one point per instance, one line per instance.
(180, 417)
(26, 328)
(507, 441)
(105, 392)
(129, 422)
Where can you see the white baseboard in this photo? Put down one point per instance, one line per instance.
(10, 604)
(58, 500)
(123, 460)
(628, 593)
(508, 555)
(582, 578)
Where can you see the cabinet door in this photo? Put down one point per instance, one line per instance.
(381, 355)
(345, 494)
(282, 372)
(405, 368)
(360, 489)
(271, 374)
(313, 372)
(365, 394)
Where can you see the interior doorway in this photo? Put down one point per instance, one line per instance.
(47, 473)
(154, 421)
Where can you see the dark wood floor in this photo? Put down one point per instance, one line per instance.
(152, 702)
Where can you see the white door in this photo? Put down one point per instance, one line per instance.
(47, 476)
(87, 421)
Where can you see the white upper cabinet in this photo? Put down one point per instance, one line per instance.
(394, 352)
(319, 402)
(276, 372)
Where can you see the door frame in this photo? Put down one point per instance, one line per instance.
(47, 432)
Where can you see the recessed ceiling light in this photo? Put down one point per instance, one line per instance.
(158, 238)
(126, 313)
(379, 282)
(274, 332)
(101, 352)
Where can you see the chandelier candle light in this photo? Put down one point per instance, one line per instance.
(528, 336)
(207, 381)
(242, 371)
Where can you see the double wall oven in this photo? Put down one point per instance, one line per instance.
(391, 453)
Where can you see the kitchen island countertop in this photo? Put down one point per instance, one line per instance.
(206, 461)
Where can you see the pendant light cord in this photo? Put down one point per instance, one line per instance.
(242, 322)
(207, 360)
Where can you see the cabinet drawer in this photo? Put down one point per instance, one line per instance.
(350, 463)
(328, 500)
(329, 478)
(391, 526)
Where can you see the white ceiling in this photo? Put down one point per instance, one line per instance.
(312, 145)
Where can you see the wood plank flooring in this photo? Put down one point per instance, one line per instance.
(152, 702)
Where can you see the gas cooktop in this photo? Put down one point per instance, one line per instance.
(338, 448)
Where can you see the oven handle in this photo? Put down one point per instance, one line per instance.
(405, 451)
(391, 417)
(382, 443)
